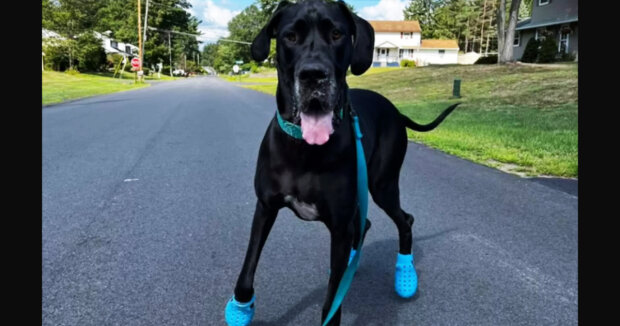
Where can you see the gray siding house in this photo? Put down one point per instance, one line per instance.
(550, 18)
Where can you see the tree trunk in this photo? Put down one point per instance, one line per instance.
(466, 36)
(510, 32)
(501, 17)
(484, 12)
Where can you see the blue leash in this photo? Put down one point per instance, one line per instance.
(294, 131)
(362, 195)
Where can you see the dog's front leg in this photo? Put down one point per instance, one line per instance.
(341, 240)
(264, 217)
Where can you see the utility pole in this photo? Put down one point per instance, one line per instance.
(139, 37)
(146, 17)
(170, 53)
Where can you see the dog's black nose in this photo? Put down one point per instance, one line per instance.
(312, 72)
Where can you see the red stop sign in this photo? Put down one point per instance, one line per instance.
(135, 62)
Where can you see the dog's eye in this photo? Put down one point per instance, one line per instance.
(291, 37)
(336, 35)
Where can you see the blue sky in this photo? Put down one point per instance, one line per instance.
(215, 14)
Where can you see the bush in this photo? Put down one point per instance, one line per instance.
(57, 55)
(530, 54)
(568, 57)
(407, 63)
(72, 72)
(548, 50)
(90, 53)
(113, 60)
(490, 59)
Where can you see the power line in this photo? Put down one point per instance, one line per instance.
(174, 32)
(227, 40)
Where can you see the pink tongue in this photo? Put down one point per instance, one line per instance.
(316, 129)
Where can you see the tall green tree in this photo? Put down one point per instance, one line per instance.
(424, 12)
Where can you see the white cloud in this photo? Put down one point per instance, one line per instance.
(211, 34)
(216, 16)
(384, 10)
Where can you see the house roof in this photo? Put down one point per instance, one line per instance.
(108, 48)
(46, 33)
(392, 26)
(439, 44)
(527, 23)
(554, 13)
(386, 45)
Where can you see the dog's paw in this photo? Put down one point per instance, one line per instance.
(239, 313)
(406, 278)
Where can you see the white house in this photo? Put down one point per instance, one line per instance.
(397, 40)
(111, 46)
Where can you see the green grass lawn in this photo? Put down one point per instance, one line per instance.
(59, 86)
(522, 119)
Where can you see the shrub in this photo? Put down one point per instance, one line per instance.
(548, 50)
(57, 54)
(72, 71)
(407, 63)
(490, 59)
(568, 57)
(530, 54)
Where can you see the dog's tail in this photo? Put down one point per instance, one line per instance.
(418, 127)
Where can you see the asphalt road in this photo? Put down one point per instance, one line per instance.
(147, 206)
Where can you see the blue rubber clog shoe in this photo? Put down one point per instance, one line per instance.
(406, 278)
(239, 313)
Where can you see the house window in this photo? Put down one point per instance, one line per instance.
(114, 44)
(563, 45)
(543, 2)
(405, 53)
(128, 49)
(517, 39)
(442, 52)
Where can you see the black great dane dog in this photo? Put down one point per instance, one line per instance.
(314, 174)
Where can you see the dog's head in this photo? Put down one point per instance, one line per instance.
(316, 43)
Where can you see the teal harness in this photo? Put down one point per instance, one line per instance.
(294, 131)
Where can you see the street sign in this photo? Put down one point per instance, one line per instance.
(239, 62)
(236, 69)
(135, 62)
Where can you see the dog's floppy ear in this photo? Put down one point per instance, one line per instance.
(363, 41)
(262, 42)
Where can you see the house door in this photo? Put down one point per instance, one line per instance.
(383, 55)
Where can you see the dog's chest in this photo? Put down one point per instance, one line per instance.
(305, 211)
(301, 193)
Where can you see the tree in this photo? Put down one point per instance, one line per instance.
(506, 34)
(525, 10)
(244, 27)
(90, 53)
(424, 12)
(208, 54)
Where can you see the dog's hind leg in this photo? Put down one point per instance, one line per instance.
(405, 278)
(387, 197)
(240, 308)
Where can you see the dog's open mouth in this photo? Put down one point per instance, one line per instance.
(316, 128)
